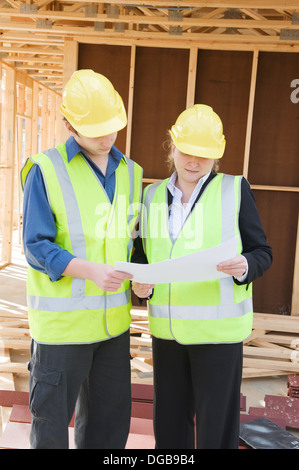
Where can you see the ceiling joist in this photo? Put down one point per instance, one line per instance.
(33, 32)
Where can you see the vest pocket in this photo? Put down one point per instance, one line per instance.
(44, 391)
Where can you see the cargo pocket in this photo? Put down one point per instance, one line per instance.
(44, 392)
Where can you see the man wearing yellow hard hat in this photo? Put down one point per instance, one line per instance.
(81, 203)
(198, 327)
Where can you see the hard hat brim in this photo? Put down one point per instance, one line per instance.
(101, 129)
(196, 151)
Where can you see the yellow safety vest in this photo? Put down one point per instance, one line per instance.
(214, 311)
(73, 310)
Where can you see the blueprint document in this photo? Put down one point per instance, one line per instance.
(198, 266)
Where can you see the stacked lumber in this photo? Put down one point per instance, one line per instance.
(14, 351)
(15, 342)
(273, 347)
(14, 335)
(141, 347)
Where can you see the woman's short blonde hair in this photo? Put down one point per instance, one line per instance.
(169, 160)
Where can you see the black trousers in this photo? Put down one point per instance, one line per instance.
(201, 381)
(93, 378)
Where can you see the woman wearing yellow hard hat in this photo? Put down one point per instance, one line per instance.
(198, 327)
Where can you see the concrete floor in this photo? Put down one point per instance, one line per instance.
(13, 291)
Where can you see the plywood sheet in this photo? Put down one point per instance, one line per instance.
(275, 138)
(113, 62)
(223, 82)
(272, 293)
(161, 76)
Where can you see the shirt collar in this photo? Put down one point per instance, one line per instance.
(173, 189)
(73, 148)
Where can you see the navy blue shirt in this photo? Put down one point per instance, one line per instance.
(39, 228)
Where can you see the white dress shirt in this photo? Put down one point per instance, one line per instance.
(179, 211)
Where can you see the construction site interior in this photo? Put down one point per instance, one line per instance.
(241, 58)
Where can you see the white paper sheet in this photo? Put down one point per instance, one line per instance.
(199, 266)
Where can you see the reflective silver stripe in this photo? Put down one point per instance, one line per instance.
(131, 172)
(228, 221)
(80, 303)
(201, 312)
(70, 201)
(228, 207)
(74, 217)
(131, 211)
(149, 195)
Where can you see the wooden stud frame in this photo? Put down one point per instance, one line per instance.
(21, 115)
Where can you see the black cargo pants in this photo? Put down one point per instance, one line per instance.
(94, 379)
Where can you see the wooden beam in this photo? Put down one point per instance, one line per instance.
(250, 372)
(161, 18)
(295, 296)
(288, 367)
(70, 65)
(31, 50)
(44, 118)
(9, 162)
(250, 113)
(130, 100)
(273, 353)
(205, 42)
(263, 187)
(259, 4)
(40, 66)
(34, 124)
(51, 120)
(58, 121)
(273, 322)
(6, 383)
(153, 19)
(191, 77)
(14, 367)
(31, 38)
(31, 60)
(67, 30)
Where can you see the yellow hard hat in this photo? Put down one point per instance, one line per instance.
(198, 131)
(91, 104)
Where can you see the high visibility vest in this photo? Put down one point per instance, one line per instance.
(214, 311)
(89, 226)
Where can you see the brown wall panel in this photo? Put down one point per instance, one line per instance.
(114, 63)
(159, 97)
(223, 82)
(274, 155)
(279, 214)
